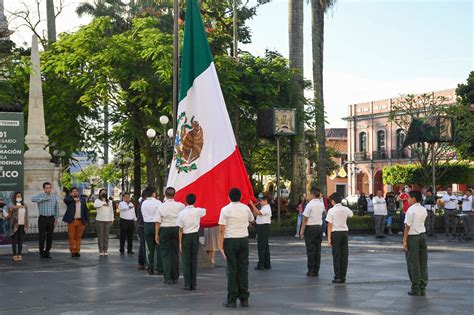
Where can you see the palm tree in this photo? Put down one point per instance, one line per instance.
(115, 9)
(318, 9)
(296, 44)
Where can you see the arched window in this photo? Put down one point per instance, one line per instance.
(381, 140)
(399, 138)
(362, 142)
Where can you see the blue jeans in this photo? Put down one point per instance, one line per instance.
(389, 220)
(298, 224)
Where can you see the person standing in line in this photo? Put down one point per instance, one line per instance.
(150, 208)
(263, 221)
(18, 217)
(103, 221)
(189, 222)
(450, 211)
(211, 240)
(141, 232)
(391, 208)
(370, 205)
(300, 208)
(338, 237)
(415, 244)
(312, 232)
(468, 220)
(167, 235)
(127, 224)
(430, 206)
(76, 217)
(362, 203)
(380, 212)
(47, 202)
(234, 243)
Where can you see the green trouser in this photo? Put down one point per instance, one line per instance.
(190, 249)
(313, 236)
(263, 234)
(237, 253)
(340, 254)
(417, 262)
(152, 248)
(169, 247)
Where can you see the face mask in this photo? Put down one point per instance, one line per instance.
(103, 195)
(19, 200)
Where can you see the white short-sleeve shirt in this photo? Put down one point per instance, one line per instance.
(266, 216)
(189, 219)
(150, 208)
(450, 202)
(127, 211)
(168, 212)
(236, 217)
(466, 202)
(314, 212)
(380, 206)
(415, 219)
(338, 215)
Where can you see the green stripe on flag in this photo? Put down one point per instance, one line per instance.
(197, 55)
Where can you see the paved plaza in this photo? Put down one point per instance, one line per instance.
(377, 283)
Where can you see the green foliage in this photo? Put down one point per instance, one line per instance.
(459, 173)
(464, 136)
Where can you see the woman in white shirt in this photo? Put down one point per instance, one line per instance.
(103, 221)
(18, 216)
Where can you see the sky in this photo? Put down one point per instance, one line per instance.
(374, 49)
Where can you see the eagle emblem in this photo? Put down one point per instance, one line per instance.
(188, 143)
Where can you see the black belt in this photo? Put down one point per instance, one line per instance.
(313, 225)
(47, 216)
(263, 223)
(450, 209)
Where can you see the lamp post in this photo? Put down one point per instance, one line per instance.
(151, 134)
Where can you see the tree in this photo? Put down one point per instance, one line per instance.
(463, 113)
(296, 43)
(318, 9)
(410, 107)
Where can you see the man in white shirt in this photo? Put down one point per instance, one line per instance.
(150, 208)
(468, 220)
(189, 221)
(312, 232)
(338, 236)
(127, 223)
(263, 221)
(233, 240)
(429, 202)
(167, 235)
(415, 245)
(380, 212)
(450, 211)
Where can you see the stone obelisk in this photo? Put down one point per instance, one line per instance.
(4, 31)
(38, 166)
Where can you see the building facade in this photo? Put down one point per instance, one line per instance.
(374, 142)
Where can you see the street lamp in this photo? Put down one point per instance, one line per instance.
(151, 134)
(125, 162)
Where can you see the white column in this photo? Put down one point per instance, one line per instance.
(371, 181)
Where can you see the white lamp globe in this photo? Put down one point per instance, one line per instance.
(170, 133)
(151, 133)
(164, 120)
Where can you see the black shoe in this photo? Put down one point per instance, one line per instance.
(337, 281)
(122, 252)
(187, 288)
(343, 280)
(193, 288)
(383, 236)
(150, 272)
(244, 303)
(78, 255)
(259, 268)
(231, 305)
(47, 256)
(175, 281)
(312, 274)
(167, 282)
(423, 293)
(413, 293)
(130, 252)
(268, 267)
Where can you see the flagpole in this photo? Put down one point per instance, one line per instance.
(175, 64)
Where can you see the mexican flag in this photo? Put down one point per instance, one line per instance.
(206, 161)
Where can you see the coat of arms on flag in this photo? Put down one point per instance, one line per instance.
(189, 143)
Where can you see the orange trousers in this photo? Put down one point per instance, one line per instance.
(75, 229)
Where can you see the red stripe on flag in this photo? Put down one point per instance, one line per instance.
(212, 188)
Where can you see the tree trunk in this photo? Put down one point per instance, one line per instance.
(51, 21)
(137, 170)
(296, 43)
(317, 28)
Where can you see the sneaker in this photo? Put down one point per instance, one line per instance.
(106, 254)
(413, 293)
(101, 254)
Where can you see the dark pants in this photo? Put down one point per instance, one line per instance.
(263, 234)
(237, 252)
(313, 236)
(152, 249)
(190, 249)
(17, 240)
(430, 223)
(450, 221)
(127, 228)
(417, 262)
(141, 238)
(379, 225)
(340, 254)
(169, 247)
(46, 228)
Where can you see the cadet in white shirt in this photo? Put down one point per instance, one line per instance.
(429, 203)
(468, 220)
(312, 232)
(167, 235)
(233, 240)
(338, 237)
(264, 220)
(380, 212)
(450, 211)
(415, 245)
(150, 208)
(189, 221)
(127, 223)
